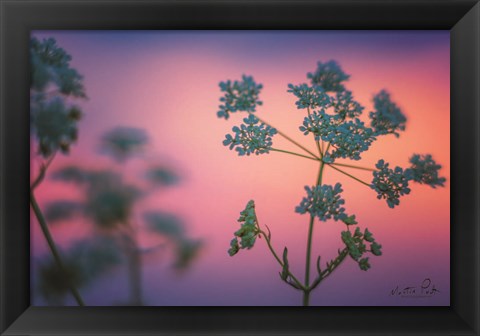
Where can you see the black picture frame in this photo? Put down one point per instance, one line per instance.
(19, 17)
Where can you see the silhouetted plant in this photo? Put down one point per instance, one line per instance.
(109, 204)
(54, 85)
(332, 118)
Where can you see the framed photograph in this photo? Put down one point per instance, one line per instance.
(239, 167)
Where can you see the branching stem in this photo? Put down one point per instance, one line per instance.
(306, 292)
(349, 175)
(316, 141)
(269, 244)
(352, 166)
(333, 265)
(43, 170)
(293, 153)
(287, 137)
(46, 232)
(53, 248)
(336, 262)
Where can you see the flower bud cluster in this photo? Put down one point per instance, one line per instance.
(348, 139)
(239, 96)
(248, 231)
(425, 170)
(329, 76)
(323, 202)
(389, 183)
(252, 137)
(387, 118)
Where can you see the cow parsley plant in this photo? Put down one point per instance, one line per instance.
(334, 121)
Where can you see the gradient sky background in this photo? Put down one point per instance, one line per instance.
(167, 83)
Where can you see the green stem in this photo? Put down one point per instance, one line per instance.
(53, 248)
(46, 231)
(326, 150)
(43, 170)
(349, 175)
(316, 141)
(286, 137)
(319, 149)
(352, 166)
(336, 262)
(306, 293)
(134, 264)
(135, 275)
(320, 174)
(333, 265)
(269, 244)
(293, 153)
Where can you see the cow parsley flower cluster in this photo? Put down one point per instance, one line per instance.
(248, 231)
(252, 137)
(329, 76)
(424, 170)
(390, 184)
(318, 123)
(309, 96)
(348, 139)
(122, 142)
(56, 126)
(345, 106)
(387, 117)
(324, 202)
(54, 84)
(50, 66)
(239, 96)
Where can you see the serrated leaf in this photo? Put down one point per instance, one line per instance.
(318, 266)
(350, 220)
(368, 236)
(364, 264)
(284, 274)
(376, 249)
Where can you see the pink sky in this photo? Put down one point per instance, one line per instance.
(167, 84)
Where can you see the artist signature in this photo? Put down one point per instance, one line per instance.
(425, 290)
